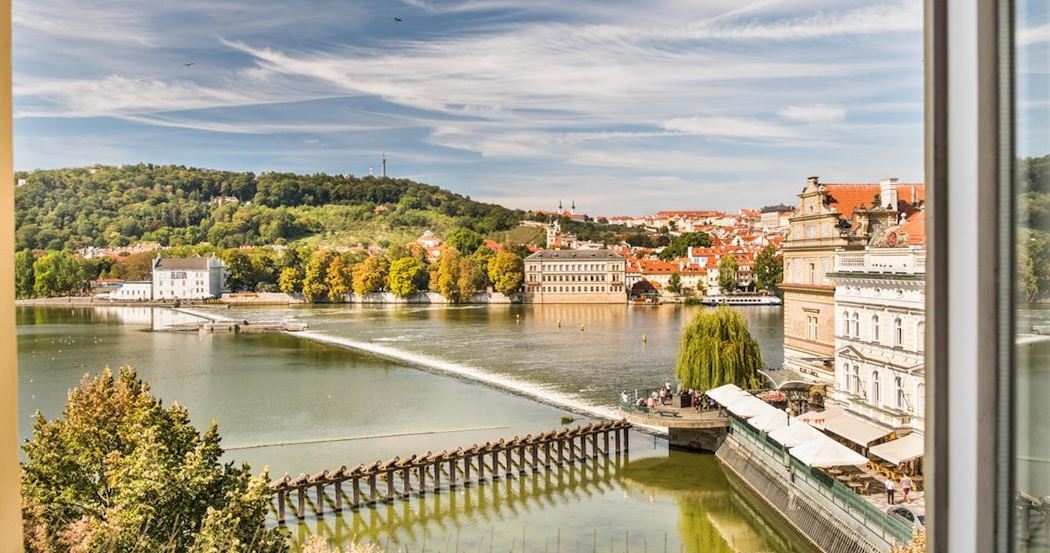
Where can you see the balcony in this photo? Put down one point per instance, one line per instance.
(890, 261)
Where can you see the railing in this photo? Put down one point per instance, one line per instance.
(861, 510)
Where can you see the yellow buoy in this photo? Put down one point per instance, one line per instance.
(645, 338)
(582, 328)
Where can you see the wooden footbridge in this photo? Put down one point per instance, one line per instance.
(418, 475)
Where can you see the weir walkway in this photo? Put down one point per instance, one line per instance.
(418, 475)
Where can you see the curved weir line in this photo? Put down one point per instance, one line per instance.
(432, 364)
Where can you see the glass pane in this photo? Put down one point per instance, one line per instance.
(1032, 407)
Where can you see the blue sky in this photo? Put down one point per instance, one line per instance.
(625, 108)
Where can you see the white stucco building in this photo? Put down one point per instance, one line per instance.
(880, 327)
(188, 278)
(575, 276)
(138, 290)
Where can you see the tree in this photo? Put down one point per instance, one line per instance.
(24, 276)
(464, 240)
(338, 279)
(405, 275)
(116, 471)
(291, 280)
(679, 246)
(446, 275)
(472, 278)
(315, 285)
(506, 272)
(240, 271)
(371, 275)
(58, 274)
(727, 274)
(769, 268)
(716, 348)
(674, 284)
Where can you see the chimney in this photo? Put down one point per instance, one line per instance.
(888, 193)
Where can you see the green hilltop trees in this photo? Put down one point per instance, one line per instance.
(716, 348)
(117, 471)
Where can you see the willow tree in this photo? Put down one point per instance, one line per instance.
(717, 348)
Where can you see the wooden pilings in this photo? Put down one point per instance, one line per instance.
(401, 478)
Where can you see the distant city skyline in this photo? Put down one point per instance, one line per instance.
(624, 108)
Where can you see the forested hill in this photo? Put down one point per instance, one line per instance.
(176, 205)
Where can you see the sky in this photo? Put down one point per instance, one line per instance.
(623, 107)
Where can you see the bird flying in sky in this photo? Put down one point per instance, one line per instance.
(398, 19)
(188, 64)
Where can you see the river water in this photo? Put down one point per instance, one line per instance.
(376, 381)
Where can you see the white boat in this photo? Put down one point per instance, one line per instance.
(741, 300)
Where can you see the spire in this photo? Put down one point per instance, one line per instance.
(384, 165)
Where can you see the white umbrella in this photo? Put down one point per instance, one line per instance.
(725, 393)
(770, 421)
(825, 452)
(819, 418)
(747, 406)
(796, 433)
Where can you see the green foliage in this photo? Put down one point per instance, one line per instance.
(315, 283)
(679, 246)
(25, 278)
(371, 275)
(177, 205)
(674, 284)
(464, 240)
(769, 268)
(716, 348)
(119, 472)
(60, 274)
(472, 278)
(405, 276)
(506, 272)
(727, 274)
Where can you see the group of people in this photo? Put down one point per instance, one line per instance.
(891, 488)
(666, 395)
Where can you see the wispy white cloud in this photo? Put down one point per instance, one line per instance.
(820, 113)
(729, 127)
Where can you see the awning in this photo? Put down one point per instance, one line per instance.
(825, 452)
(795, 434)
(723, 394)
(900, 450)
(818, 418)
(747, 406)
(769, 421)
(854, 429)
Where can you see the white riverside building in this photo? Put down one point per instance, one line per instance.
(189, 278)
(880, 321)
(575, 276)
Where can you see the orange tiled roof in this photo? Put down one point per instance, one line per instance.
(915, 228)
(849, 197)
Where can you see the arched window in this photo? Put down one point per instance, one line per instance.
(920, 336)
(920, 400)
(898, 332)
(845, 324)
(856, 324)
(898, 386)
(855, 385)
(874, 328)
(875, 397)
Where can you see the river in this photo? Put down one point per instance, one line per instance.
(376, 380)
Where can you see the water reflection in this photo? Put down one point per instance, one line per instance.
(674, 502)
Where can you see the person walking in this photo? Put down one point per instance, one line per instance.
(906, 487)
(890, 490)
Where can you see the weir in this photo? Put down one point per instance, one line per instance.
(417, 475)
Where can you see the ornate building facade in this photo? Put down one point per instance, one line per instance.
(829, 218)
(880, 325)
